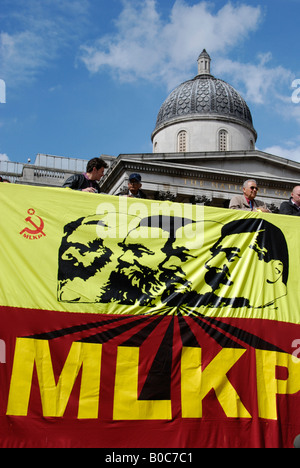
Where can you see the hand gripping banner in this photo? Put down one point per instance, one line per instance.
(138, 323)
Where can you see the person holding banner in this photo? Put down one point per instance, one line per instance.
(247, 202)
(134, 188)
(4, 180)
(88, 182)
(292, 207)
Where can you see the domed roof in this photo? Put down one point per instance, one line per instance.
(204, 97)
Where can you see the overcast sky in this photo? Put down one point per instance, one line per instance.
(87, 77)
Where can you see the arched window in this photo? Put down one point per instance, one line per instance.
(252, 147)
(181, 141)
(223, 140)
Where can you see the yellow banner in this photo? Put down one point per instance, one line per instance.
(71, 251)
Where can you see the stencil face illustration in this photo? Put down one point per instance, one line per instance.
(250, 262)
(87, 256)
(157, 263)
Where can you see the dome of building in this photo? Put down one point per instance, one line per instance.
(204, 95)
(205, 100)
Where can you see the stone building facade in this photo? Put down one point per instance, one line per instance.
(203, 151)
(212, 178)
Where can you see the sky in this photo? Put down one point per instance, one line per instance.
(81, 78)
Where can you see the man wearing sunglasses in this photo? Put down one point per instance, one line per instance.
(247, 201)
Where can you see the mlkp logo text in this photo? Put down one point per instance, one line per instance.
(36, 229)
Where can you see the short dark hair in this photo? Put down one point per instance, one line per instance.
(270, 238)
(97, 163)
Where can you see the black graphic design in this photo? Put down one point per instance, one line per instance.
(158, 266)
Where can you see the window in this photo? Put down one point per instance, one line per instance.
(223, 136)
(181, 146)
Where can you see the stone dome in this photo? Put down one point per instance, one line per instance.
(204, 97)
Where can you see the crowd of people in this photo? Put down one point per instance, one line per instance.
(247, 201)
(88, 182)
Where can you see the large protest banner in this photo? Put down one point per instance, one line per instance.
(137, 323)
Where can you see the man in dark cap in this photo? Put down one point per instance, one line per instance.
(134, 187)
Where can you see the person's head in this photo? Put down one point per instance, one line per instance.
(296, 195)
(87, 256)
(134, 183)
(95, 168)
(250, 189)
(150, 261)
(249, 264)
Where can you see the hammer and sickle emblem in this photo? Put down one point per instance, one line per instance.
(37, 229)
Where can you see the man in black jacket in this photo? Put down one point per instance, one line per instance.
(292, 207)
(88, 182)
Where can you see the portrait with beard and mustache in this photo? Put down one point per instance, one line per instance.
(88, 254)
(150, 264)
(95, 267)
(158, 264)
